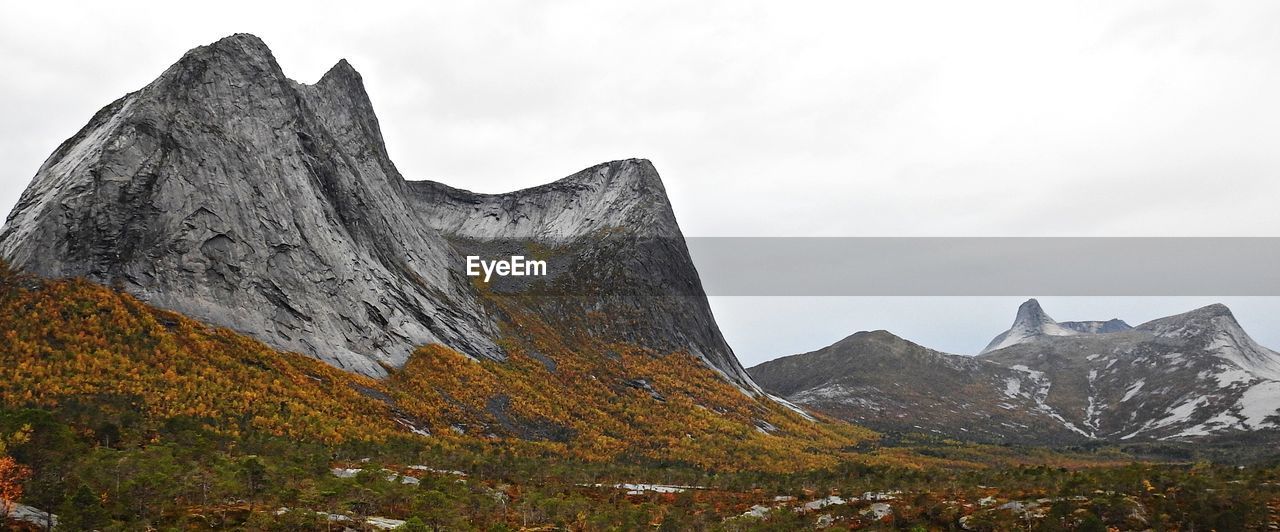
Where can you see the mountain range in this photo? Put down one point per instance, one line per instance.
(229, 193)
(1182, 377)
(224, 307)
(226, 192)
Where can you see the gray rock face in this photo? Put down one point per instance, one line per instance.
(1032, 323)
(228, 192)
(614, 249)
(1191, 376)
(1096, 327)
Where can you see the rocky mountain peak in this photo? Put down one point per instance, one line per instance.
(1031, 322)
(234, 61)
(342, 72)
(227, 192)
(1207, 319)
(239, 47)
(879, 336)
(340, 99)
(1215, 310)
(1030, 313)
(342, 80)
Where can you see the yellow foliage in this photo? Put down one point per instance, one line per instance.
(74, 340)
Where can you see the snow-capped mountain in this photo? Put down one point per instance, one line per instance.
(1032, 323)
(1191, 375)
(890, 384)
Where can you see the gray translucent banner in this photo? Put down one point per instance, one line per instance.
(988, 266)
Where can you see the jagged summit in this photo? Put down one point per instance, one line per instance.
(1214, 329)
(1031, 310)
(240, 45)
(235, 60)
(1186, 376)
(228, 192)
(1031, 322)
(342, 70)
(1032, 316)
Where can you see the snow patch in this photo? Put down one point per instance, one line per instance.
(1012, 387)
(1133, 390)
(1260, 402)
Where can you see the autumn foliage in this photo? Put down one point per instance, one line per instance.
(75, 341)
(12, 474)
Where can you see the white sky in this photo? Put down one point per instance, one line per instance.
(765, 119)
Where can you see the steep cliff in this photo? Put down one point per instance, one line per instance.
(230, 193)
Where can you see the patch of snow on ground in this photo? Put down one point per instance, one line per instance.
(1259, 402)
(1180, 413)
(1012, 387)
(1133, 390)
(1037, 375)
(1232, 376)
(1041, 394)
(1092, 411)
(1236, 346)
(1224, 420)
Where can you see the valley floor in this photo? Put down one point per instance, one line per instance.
(118, 416)
(192, 479)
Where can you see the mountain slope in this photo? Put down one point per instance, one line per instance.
(98, 357)
(226, 191)
(614, 249)
(1193, 375)
(890, 384)
(232, 194)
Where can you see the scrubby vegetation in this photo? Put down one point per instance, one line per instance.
(118, 416)
(72, 345)
(188, 476)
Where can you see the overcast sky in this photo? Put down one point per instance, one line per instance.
(766, 119)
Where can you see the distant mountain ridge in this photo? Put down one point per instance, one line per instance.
(1193, 375)
(890, 384)
(1031, 323)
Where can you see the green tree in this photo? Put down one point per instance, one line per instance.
(255, 477)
